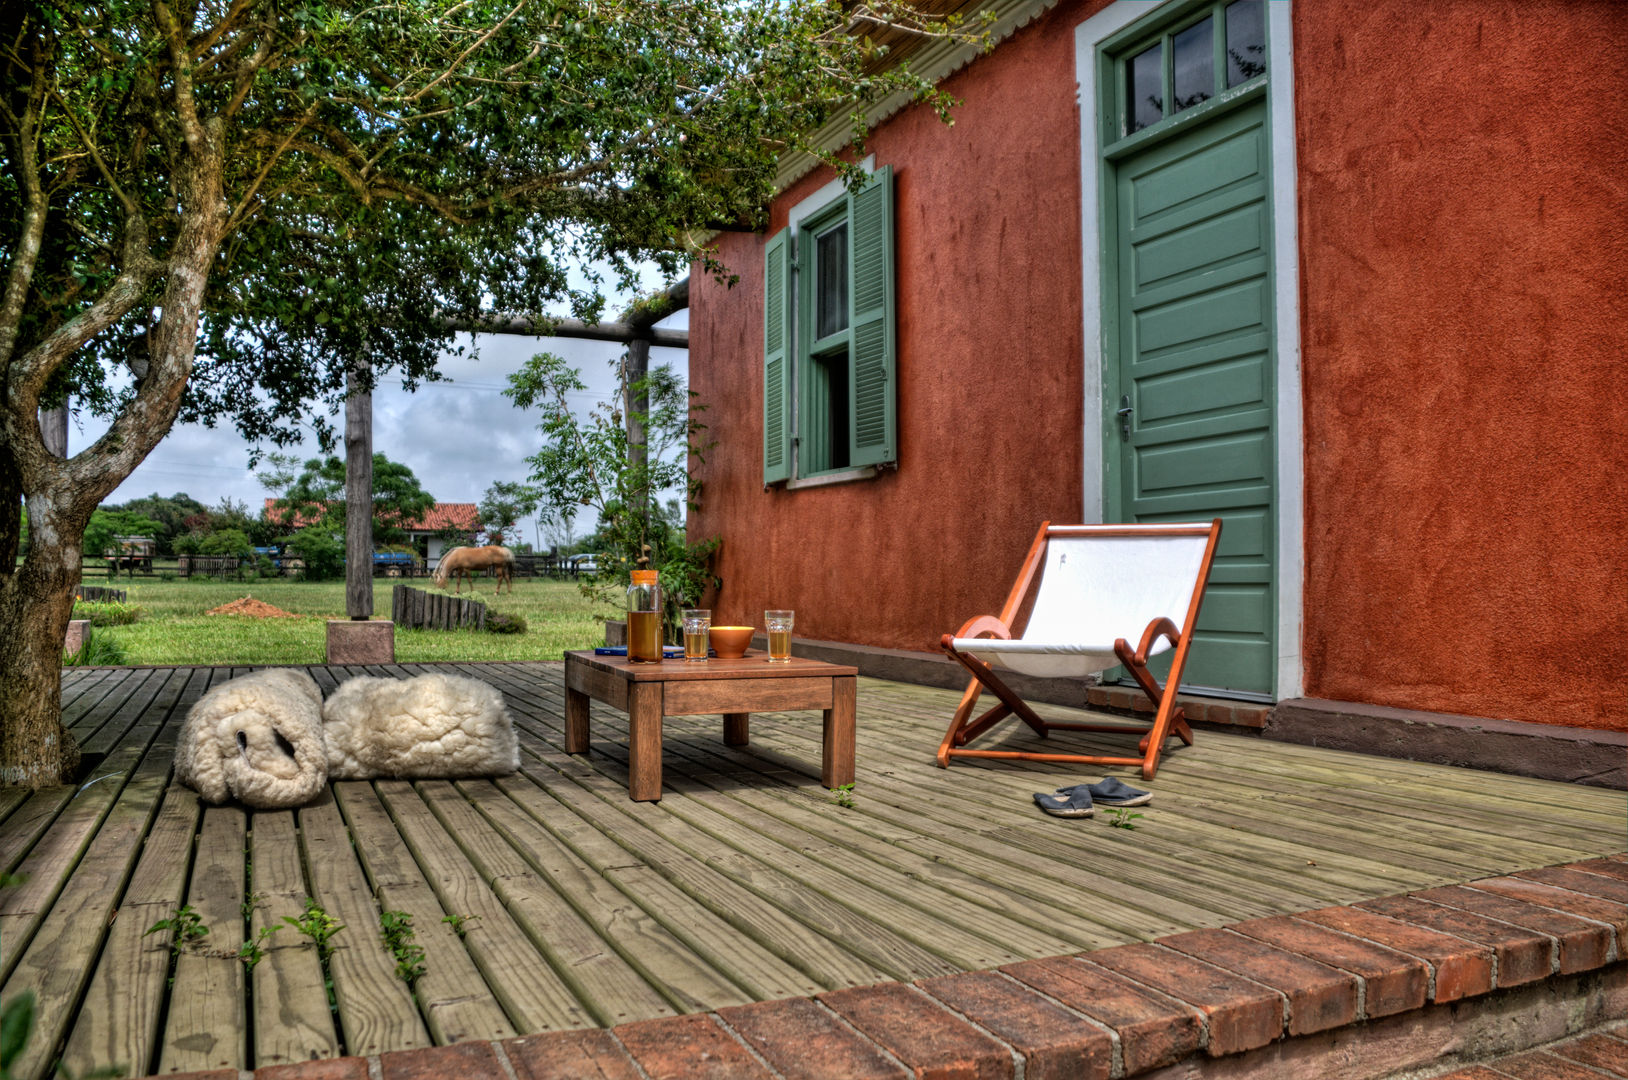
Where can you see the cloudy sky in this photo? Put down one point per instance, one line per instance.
(458, 437)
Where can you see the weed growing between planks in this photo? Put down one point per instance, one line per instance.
(396, 927)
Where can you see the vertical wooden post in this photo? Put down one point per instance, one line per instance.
(635, 407)
(358, 492)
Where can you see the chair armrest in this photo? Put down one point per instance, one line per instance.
(978, 627)
(990, 624)
(1158, 626)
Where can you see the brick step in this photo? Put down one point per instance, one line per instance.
(1459, 977)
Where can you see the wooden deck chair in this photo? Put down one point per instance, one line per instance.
(1097, 584)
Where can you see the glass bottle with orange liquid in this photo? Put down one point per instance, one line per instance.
(644, 619)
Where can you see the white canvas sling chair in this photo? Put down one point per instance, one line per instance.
(1097, 584)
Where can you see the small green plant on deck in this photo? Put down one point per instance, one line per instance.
(844, 795)
(459, 923)
(187, 925)
(316, 924)
(1120, 817)
(397, 929)
(252, 951)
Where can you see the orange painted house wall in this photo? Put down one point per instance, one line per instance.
(989, 375)
(1463, 186)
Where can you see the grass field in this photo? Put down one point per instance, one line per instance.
(173, 628)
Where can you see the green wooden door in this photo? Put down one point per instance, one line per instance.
(1193, 363)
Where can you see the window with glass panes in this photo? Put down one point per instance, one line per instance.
(828, 402)
(1218, 47)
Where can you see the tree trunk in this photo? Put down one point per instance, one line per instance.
(36, 602)
(358, 495)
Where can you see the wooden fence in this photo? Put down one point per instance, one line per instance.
(417, 609)
(98, 593)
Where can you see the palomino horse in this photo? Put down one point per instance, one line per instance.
(468, 561)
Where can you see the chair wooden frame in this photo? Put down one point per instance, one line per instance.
(1168, 718)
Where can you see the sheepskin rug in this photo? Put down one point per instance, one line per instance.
(442, 726)
(257, 739)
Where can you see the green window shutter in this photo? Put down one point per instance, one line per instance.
(871, 390)
(777, 319)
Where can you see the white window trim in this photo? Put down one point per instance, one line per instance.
(813, 204)
(1088, 37)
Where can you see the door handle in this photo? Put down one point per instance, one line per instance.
(1124, 414)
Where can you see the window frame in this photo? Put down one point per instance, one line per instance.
(1126, 46)
(815, 214)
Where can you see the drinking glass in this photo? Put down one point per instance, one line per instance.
(779, 627)
(697, 621)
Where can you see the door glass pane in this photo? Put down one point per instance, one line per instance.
(1246, 41)
(831, 284)
(1194, 51)
(1144, 90)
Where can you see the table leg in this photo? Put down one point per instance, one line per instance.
(837, 755)
(576, 721)
(737, 728)
(644, 742)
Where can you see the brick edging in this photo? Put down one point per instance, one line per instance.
(1117, 1012)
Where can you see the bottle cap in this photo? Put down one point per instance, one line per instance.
(644, 577)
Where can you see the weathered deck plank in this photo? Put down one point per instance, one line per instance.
(746, 882)
(531, 992)
(608, 988)
(207, 1025)
(118, 1022)
(376, 1009)
(292, 1020)
(455, 999)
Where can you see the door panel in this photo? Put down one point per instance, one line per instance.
(1192, 246)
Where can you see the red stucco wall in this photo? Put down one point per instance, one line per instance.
(1464, 243)
(988, 284)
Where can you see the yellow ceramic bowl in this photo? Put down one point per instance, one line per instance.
(730, 642)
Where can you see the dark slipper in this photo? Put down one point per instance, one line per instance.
(1073, 803)
(1111, 791)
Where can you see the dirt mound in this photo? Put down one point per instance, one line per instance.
(255, 609)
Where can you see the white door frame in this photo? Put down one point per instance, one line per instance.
(1290, 491)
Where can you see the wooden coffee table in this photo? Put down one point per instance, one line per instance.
(736, 688)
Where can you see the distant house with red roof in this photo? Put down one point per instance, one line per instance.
(424, 534)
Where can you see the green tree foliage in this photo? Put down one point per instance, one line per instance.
(322, 551)
(106, 524)
(213, 210)
(227, 542)
(502, 507)
(316, 497)
(584, 462)
(171, 513)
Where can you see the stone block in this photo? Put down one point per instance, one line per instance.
(1393, 982)
(802, 1041)
(1523, 955)
(931, 1040)
(677, 1046)
(357, 641)
(1055, 1044)
(78, 633)
(570, 1055)
(1461, 968)
(1153, 1030)
(1240, 1014)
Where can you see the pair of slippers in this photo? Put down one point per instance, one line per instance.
(1080, 800)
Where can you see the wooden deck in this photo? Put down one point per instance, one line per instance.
(747, 882)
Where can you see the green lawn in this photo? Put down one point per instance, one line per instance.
(173, 628)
